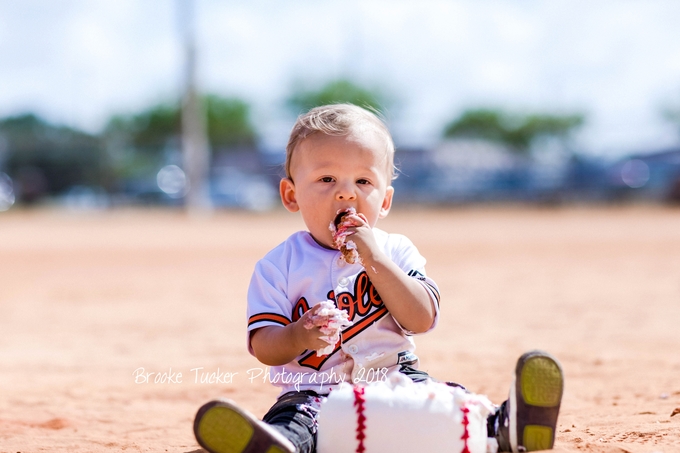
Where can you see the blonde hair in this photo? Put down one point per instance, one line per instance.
(338, 120)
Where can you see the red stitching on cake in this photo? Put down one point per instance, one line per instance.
(359, 401)
(466, 434)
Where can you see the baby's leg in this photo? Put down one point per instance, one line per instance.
(294, 415)
(421, 376)
(290, 426)
(527, 421)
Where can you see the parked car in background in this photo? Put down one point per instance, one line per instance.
(652, 176)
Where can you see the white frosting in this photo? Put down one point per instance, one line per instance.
(340, 234)
(330, 321)
(403, 416)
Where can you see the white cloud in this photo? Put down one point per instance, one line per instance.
(78, 61)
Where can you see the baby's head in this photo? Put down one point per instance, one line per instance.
(338, 157)
(340, 120)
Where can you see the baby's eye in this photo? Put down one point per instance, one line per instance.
(363, 181)
(326, 179)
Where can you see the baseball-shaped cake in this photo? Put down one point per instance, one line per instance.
(398, 415)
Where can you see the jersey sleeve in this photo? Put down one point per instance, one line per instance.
(268, 304)
(407, 257)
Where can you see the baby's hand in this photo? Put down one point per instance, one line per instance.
(361, 234)
(330, 320)
(307, 336)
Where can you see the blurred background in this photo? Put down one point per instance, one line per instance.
(189, 102)
(186, 106)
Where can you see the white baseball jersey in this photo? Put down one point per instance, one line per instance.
(300, 273)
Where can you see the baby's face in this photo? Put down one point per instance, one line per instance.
(330, 173)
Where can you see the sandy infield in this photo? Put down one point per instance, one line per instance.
(89, 302)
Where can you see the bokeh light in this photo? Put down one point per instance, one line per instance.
(172, 180)
(635, 173)
(7, 196)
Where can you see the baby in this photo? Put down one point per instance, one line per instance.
(339, 168)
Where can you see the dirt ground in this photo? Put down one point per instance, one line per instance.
(91, 303)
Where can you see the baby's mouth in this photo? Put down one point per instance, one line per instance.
(338, 218)
(339, 228)
(341, 214)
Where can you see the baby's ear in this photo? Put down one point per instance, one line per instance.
(287, 192)
(387, 202)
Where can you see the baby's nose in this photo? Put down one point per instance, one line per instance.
(345, 193)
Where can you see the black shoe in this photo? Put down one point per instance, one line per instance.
(222, 427)
(529, 418)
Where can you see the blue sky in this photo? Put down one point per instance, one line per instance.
(78, 61)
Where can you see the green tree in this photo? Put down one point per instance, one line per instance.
(336, 91)
(516, 131)
(150, 131)
(46, 159)
(229, 122)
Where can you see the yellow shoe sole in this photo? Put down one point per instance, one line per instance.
(222, 427)
(539, 388)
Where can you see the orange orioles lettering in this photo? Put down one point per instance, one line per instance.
(359, 304)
